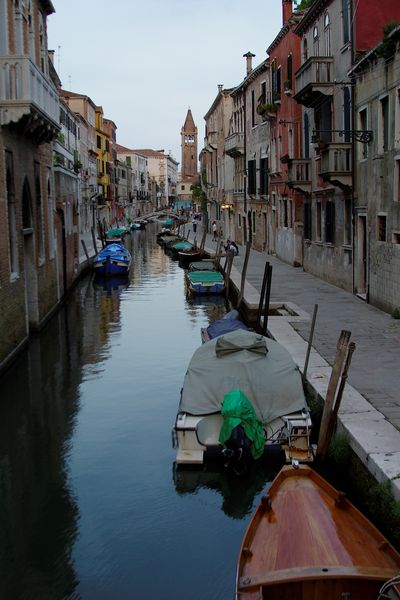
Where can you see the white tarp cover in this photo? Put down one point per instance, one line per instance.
(271, 381)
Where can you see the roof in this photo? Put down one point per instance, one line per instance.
(221, 93)
(294, 20)
(69, 94)
(123, 150)
(373, 54)
(252, 75)
(48, 7)
(311, 14)
(189, 122)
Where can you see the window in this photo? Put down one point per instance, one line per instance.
(252, 177)
(327, 35)
(128, 161)
(347, 222)
(182, 188)
(289, 72)
(345, 21)
(305, 49)
(254, 221)
(315, 41)
(98, 142)
(396, 186)
(239, 220)
(253, 109)
(396, 237)
(50, 214)
(306, 136)
(263, 94)
(11, 213)
(381, 228)
(384, 124)
(318, 221)
(346, 114)
(26, 206)
(264, 176)
(307, 221)
(363, 118)
(330, 222)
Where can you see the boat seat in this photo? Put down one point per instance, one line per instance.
(208, 429)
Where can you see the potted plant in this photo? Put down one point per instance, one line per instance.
(267, 111)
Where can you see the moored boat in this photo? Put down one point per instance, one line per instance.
(177, 247)
(188, 256)
(205, 282)
(203, 265)
(261, 376)
(114, 259)
(306, 541)
(230, 322)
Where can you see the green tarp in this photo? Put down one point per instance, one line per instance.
(237, 410)
(205, 277)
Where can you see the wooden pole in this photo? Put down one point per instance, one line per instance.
(261, 300)
(310, 339)
(335, 411)
(244, 272)
(266, 300)
(94, 240)
(85, 250)
(229, 262)
(337, 369)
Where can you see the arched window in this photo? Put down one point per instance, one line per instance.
(327, 34)
(306, 136)
(346, 113)
(289, 73)
(316, 41)
(305, 49)
(39, 213)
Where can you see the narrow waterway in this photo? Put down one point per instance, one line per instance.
(91, 506)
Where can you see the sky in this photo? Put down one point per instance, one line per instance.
(147, 61)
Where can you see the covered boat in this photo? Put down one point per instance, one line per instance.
(177, 247)
(230, 322)
(186, 257)
(203, 265)
(205, 282)
(306, 541)
(114, 259)
(265, 374)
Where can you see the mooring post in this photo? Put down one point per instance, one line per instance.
(244, 272)
(310, 339)
(85, 251)
(267, 297)
(94, 239)
(328, 412)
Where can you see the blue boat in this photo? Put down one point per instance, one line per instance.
(230, 322)
(114, 259)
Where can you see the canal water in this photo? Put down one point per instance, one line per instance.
(91, 505)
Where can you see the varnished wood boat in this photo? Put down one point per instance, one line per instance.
(307, 542)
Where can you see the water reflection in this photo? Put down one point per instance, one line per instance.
(85, 450)
(238, 493)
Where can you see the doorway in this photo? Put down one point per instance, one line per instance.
(362, 263)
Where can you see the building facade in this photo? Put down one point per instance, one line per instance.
(29, 121)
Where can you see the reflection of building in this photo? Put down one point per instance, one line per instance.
(29, 109)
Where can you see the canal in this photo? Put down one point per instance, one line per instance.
(91, 506)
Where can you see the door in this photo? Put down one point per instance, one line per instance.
(362, 279)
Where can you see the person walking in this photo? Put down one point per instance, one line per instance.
(214, 230)
(194, 225)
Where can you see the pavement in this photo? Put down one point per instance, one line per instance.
(370, 408)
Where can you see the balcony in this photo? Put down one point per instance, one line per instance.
(336, 164)
(299, 175)
(234, 144)
(314, 80)
(28, 100)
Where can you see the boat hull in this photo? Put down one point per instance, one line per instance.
(109, 268)
(306, 540)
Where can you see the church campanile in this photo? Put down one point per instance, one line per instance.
(189, 148)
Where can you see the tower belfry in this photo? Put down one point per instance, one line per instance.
(189, 147)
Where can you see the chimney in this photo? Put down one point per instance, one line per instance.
(220, 87)
(51, 56)
(287, 10)
(249, 59)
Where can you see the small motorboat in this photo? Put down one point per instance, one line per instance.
(230, 322)
(137, 225)
(306, 540)
(251, 375)
(203, 265)
(114, 259)
(188, 256)
(177, 247)
(205, 282)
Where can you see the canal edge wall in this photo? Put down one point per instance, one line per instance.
(374, 440)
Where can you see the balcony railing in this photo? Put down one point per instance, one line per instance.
(299, 174)
(28, 98)
(234, 144)
(314, 79)
(336, 165)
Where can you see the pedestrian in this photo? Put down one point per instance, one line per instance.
(214, 230)
(194, 223)
(234, 248)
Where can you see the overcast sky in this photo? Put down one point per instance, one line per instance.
(147, 61)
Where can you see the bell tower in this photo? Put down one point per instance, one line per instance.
(189, 148)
